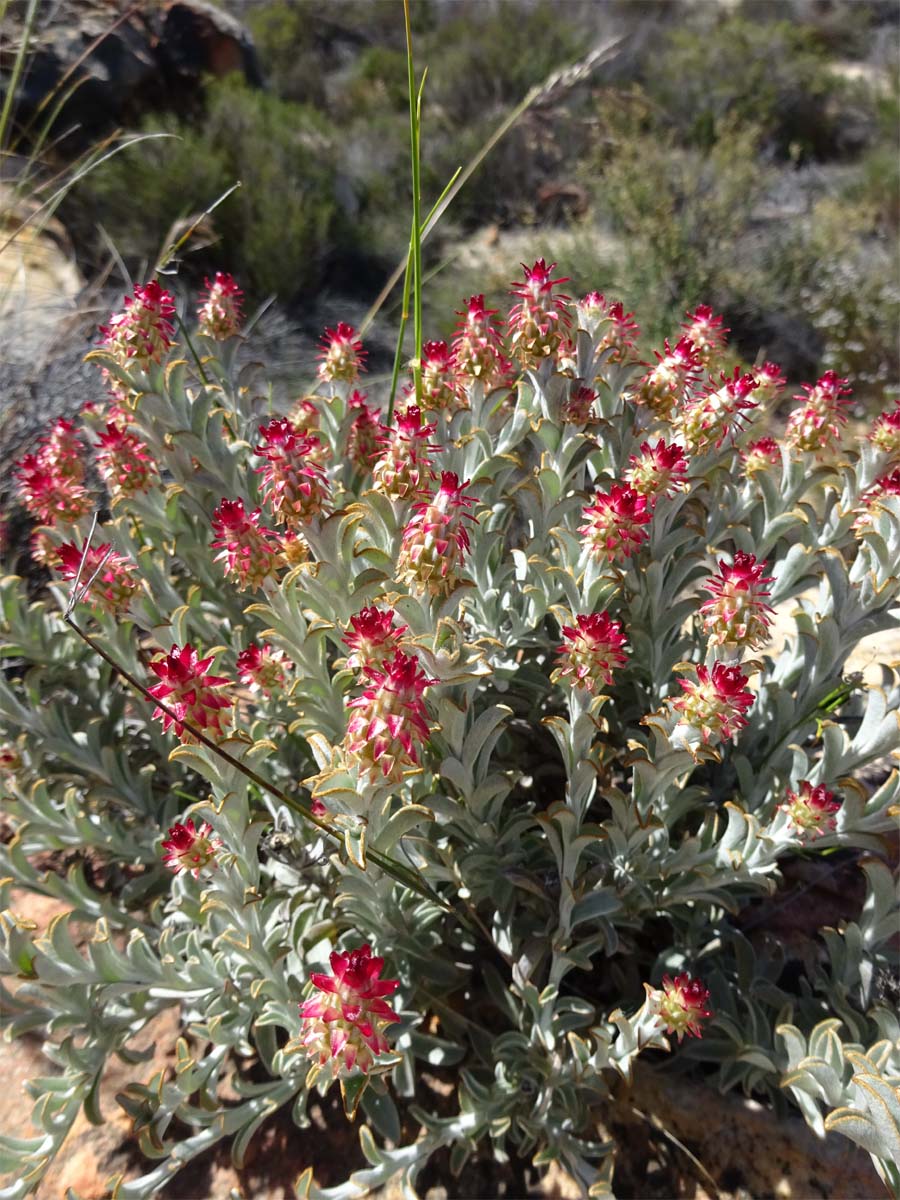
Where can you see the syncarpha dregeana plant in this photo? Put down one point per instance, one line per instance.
(468, 749)
(464, 736)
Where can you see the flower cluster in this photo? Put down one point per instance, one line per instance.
(537, 323)
(477, 347)
(365, 434)
(294, 485)
(250, 551)
(738, 616)
(659, 472)
(389, 721)
(220, 312)
(760, 455)
(343, 1026)
(815, 426)
(666, 384)
(442, 388)
(187, 848)
(615, 331)
(591, 652)
(343, 356)
(111, 576)
(404, 468)
(435, 541)
(718, 413)
(714, 707)
(681, 1005)
(372, 639)
(885, 434)
(189, 692)
(706, 332)
(614, 523)
(50, 482)
(124, 462)
(143, 332)
(811, 809)
(263, 669)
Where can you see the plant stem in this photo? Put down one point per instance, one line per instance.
(404, 317)
(415, 108)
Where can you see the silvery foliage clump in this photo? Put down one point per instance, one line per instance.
(554, 852)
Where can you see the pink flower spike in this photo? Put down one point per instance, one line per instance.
(143, 332)
(365, 435)
(435, 541)
(538, 322)
(885, 434)
(404, 468)
(815, 426)
(191, 693)
(389, 724)
(715, 706)
(706, 332)
(761, 455)
(811, 810)
(681, 1005)
(262, 669)
(294, 484)
(477, 347)
(665, 386)
(717, 414)
(220, 312)
(614, 523)
(343, 356)
(187, 848)
(124, 462)
(738, 616)
(591, 652)
(660, 471)
(372, 638)
(343, 1027)
(250, 552)
(442, 387)
(114, 583)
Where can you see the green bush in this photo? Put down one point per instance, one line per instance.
(276, 231)
(774, 74)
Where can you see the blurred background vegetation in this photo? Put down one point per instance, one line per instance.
(742, 154)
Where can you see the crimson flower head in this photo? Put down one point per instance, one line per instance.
(114, 583)
(706, 332)
(705, 423)
(365, 434)
(62, 452)
(761, 455)
(737, 615)
(436, 540)
(681, 1005)
(618, 333)
(372, 638)
(714, 707)
(578, 409)
(10, 758)
(262, 669)
(404, 469)
(537, 323)
(343, 1026)
(665, 385)
(249, 551)
(614, 523)
(477, 347)
(294, 484)
(442, 388)
(124, 461)
(192, 694)
(143, 332)
(389, 724)
(885, 434)
(887, 485)
(815, 426)
(48, 495)
(659, 472)
(592, 650)
(811, 809)
(220, 312)
(343, 356)
(187, 848)
(769, 382)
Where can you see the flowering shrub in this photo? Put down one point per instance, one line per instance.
(481, 703)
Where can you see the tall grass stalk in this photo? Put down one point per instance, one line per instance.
(415, 113)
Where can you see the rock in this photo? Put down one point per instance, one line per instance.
(116, 61)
